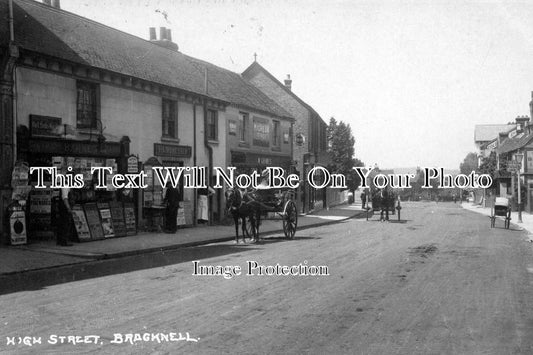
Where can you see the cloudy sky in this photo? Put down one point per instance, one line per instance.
(411, 77)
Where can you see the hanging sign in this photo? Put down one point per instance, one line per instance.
(133, 165)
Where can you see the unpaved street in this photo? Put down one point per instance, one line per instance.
(442, 282)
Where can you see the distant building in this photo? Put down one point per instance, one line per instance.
(310, 132)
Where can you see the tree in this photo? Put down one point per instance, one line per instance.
(469, 164)
(342, 152)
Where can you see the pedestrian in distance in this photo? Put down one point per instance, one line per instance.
(65, 229)
(384, 202)
(363, 199)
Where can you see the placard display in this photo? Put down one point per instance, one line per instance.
(117, 216)
(93, 220)
(105, 219)
(17, 224)
(80, 222)
(129, 218)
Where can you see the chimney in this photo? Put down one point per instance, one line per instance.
(162, 33)
(47, 2)
(288, 82)
(520, 122)
(152, 34)
(55, 3)
(165, 38)
(531, 105)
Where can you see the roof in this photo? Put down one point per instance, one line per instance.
(255, 67)
(487, 132)
(58, 33)
(515, 143)
(233, 88)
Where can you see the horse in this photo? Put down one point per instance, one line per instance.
(241, 205)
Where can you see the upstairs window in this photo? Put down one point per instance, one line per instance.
(243, 127)
(86, 105)
(170, 119)
(276, 134)
(212, 125)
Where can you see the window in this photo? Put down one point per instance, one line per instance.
(232, 128)
(275, 134)
(212, 125)
(261, 132)
(86, 105)
(170, 121)
(243, 129)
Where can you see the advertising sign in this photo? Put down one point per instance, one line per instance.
(17, 224)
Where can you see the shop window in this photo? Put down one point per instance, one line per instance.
(87, 105)
(212, 125)
(243, 129)
(276, 134)
(170, 119)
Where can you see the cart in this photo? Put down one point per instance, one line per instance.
(280, 202)
(502, 208)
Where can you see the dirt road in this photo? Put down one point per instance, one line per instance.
(442, 282)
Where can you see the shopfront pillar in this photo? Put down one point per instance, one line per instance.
(8, 59)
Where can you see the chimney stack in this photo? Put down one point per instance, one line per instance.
(55, 3)
(288, 82)
(162, 33)
(521, 121)
(531, 105)
(152, 34)
(165, 38)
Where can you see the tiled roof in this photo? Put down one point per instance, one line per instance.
(487, 132)
(233, 88)
(255, 66)
(44, 29)
(517, 142)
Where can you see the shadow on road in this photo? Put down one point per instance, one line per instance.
(38, 279)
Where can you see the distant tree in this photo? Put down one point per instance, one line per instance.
(469, 164)
(342, 152)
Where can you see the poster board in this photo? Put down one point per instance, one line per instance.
(188, 212)
(80, 222)
(17, 228)
(117, 216)
(129, 219)
(105, 219)
(180, 221)
(93, 221)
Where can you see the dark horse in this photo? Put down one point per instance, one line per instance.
(242, 206)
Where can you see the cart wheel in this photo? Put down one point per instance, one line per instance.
(290, 220)
(249, 229)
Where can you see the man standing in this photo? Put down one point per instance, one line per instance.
(172, 198)
(363, 199)
(65, 223)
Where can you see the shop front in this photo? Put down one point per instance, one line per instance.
(153, 202)
(247, 162)
(98, 213)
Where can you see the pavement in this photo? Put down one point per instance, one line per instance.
(526, 224)
(42, 255)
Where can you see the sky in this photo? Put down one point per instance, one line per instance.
(412, 78)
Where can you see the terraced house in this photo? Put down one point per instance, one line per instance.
(77, 93)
